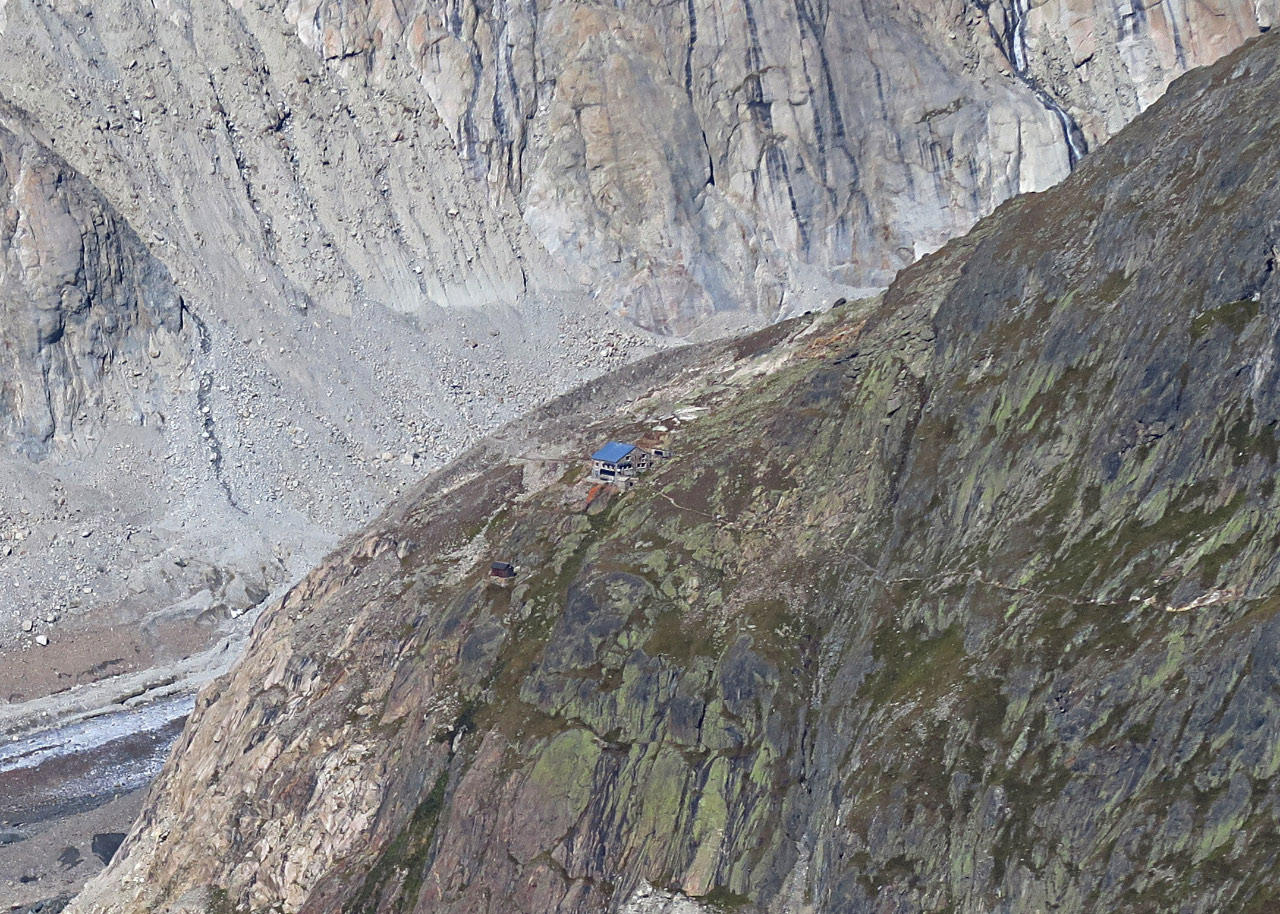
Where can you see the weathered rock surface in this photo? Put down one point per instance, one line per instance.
(676, 158)
(91, 321)
(1105, 63)
(691, 157)
(394, 226)
(964, 598)
(354, 313)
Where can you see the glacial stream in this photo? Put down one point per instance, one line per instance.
(72, 767)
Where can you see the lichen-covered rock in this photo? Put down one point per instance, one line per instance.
(960, 599)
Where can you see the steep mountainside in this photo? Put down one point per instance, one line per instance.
(704, 155)
(677, 159)
(245, 302)
(394, 226)
(1106, 62)
(90, 318)
(960, 599)
(266, 263)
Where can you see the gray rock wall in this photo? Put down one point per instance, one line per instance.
(90, 320)
(709, 155)
(1106, 62)
(676, 159)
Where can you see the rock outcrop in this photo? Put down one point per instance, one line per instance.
(963, 598)
(90, 320)
(1105, 63)
(347, 284)
(692, 157)
(394, 226)
(676, 159)
(352, 314)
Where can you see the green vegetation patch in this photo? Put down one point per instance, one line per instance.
(1234, 315)
(407, 857)
(722, 899)
(1183, 519)
(565, 769)
(911, 665)
(1111, 287)
(675, 638)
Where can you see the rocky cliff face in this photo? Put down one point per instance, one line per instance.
(394, 226)
(690, 157)
(677, 159)
(354, 313)
(90, 320)
(959, 599)
(349, 287)
(1105, 63)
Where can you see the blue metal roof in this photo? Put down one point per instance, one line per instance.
(613, 452)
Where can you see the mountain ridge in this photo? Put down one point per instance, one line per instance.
(962, 598)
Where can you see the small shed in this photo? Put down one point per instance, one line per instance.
(502, 570)
(617, 461)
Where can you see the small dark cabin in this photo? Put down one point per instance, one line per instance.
(502, 570)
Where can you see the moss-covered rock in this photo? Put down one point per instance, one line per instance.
(960, 600)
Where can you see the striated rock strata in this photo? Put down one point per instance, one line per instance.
(89, 318)
(677, 159)
(960, 599)
(1105, 63)
(711, 155)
